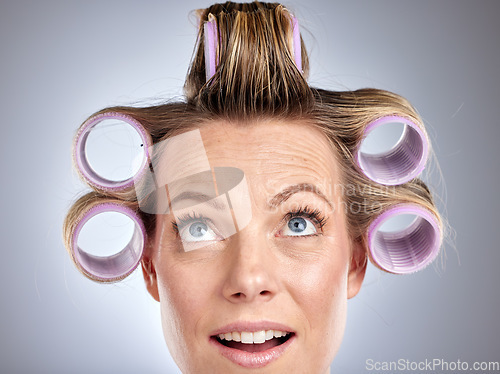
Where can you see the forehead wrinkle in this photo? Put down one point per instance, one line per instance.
(286, 151)
(252, 133)
(197, 198)
(281, 161)
(273, 151)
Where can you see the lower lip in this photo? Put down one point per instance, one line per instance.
(252, 360)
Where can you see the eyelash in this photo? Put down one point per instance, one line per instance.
(306, 212)
(186, 219)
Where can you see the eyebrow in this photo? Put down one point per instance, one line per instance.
(199, 197)
(276, 201)
(284, 195)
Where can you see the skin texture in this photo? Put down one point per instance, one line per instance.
(261, 273)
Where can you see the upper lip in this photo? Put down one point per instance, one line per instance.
(249, 326)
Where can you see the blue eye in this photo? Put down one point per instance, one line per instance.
(196, 231)
(299, 226)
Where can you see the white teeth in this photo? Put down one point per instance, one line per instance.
(247, 337)
(236, 336)
(257, 337)
(269, 334)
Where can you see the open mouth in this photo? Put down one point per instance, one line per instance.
(255, 342)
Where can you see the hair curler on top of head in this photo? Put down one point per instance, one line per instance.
(242, 52)
(211, 45)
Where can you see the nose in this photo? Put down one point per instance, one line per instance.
(252, 270)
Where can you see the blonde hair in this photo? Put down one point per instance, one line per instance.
(257, 77)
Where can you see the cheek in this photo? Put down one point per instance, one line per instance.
(319, 288)
(181, 292)
(184, 291)
(183, 299)
(323, 298)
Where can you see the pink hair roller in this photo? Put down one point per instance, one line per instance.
(297, 49)
(210, 41)
(81, 160)
(210, 32)
(410, 249)
(115, 267)
(405, 161)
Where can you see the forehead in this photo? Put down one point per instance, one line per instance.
(275, 151)
(273, 155)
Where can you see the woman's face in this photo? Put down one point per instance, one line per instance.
(290, 270)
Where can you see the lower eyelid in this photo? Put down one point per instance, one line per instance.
(298, 238)
(283, 235)
(217, 232)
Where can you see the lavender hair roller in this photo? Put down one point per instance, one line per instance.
(297, 49)
(210, 41)
(410, 249)
(405, 161)
(210, 31)
(81, 158)
(117, 266)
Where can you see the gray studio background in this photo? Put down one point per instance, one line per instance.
(62, 61)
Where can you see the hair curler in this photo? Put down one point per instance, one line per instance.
(410, 249)
(405, 161)
(210, 42)
(297, 49)
(82, 162)
(117, 266)
(210, 33)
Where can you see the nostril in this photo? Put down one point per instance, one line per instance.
(241, 295)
